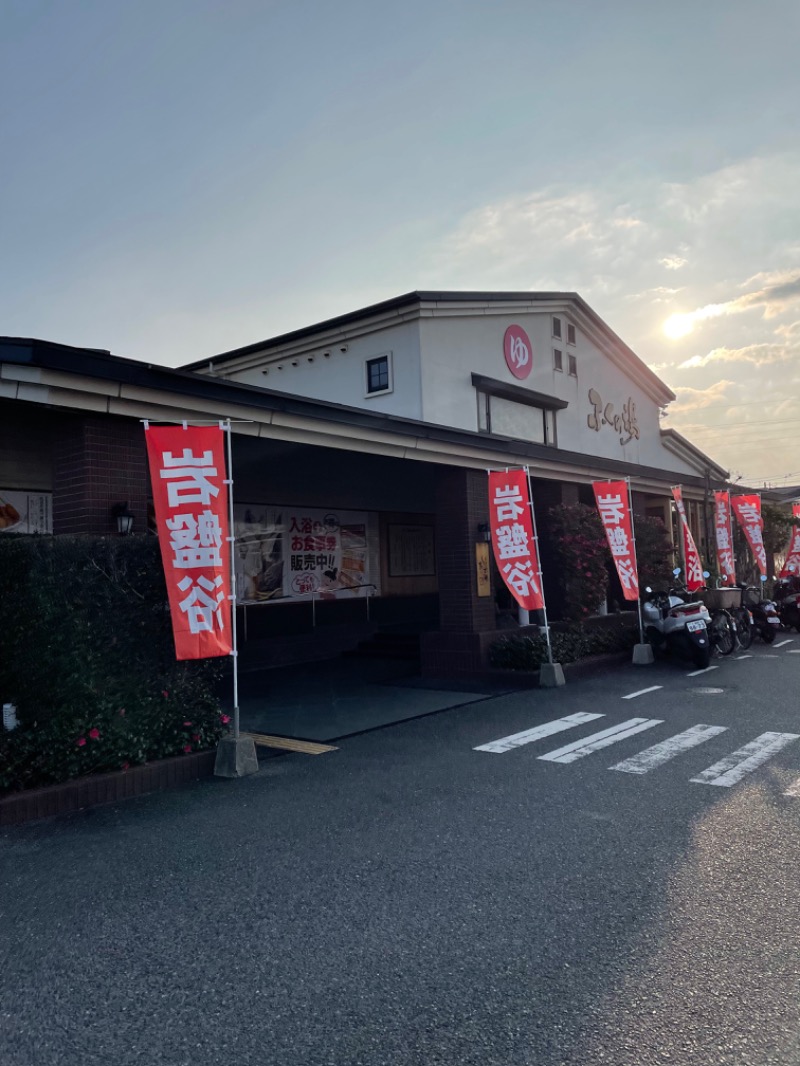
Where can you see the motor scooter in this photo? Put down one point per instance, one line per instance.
(674, 624)
(787, 597)
(766, 620)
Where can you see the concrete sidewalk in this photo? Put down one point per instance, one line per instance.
(328, 700)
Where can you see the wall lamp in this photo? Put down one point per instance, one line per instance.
(121, 513)
(485, 532)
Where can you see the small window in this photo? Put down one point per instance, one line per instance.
(573, 366)
(557, 327)
(558, 359)
(570, 333)
(379, 377)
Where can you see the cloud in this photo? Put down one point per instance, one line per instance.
(673, 262)
(690, 399)
(757, 354)
(789, 331)
(773, 299)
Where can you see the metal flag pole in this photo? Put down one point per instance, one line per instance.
(539, 563)
(681, 534)
(226, 426)
(635, 560)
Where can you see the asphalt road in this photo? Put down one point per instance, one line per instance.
(409, 899)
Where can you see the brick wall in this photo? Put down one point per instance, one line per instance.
(99, 462)
(462, 503)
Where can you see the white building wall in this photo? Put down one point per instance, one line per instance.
(455, 348)
(340, 376)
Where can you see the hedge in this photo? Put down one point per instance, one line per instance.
(523, 652)
(87, 657)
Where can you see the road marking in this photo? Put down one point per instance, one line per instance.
(734, 767)
(783, 642)
(571, 752)
(558, 725)
(793, 651)
(696, 673)
(739, 657)
(650, 758)
(641, 692)
(793, 790)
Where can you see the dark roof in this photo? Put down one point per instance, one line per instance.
(97, 363)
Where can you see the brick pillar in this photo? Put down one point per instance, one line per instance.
(99, 461)
(467, 621)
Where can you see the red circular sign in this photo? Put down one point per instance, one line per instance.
(518, 351)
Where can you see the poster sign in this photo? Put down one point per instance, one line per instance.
(722, 529)
(748, 514)
(483, 579)
(694, 565)
(613, 504)
(512, 538)
(294, 553)
(25, 512)
(190, 496)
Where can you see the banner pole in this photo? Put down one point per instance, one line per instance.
(635, 559)
(539, 561)
(231, 544)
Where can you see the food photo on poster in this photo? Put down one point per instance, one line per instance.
(25, 512)
(293, 553)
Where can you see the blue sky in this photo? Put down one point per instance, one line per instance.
(180, 178)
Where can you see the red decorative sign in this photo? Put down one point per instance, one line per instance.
(190, 494)
(613, 503)
(518, 351)
(722, 527)
(748, 513)
(694, 565)
(792, 564)
(512, 538)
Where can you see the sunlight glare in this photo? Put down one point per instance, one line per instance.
(678, 325)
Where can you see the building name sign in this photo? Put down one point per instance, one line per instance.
(602, 414)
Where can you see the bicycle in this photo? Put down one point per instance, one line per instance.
(742, 620)
(721, 628)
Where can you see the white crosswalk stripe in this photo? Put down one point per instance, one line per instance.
(738, 764)
(580, 748)
(547, 729)
(650, 758)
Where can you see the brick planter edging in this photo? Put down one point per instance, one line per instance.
(592, 664)
(97, 789)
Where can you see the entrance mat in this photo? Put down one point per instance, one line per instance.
(305, 747)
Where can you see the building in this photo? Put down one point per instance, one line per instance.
(360, 453)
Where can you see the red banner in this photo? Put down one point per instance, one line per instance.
(613, 503)
(694, 565)
(722, 526)
(187, 472)
(796, 510)
(512, 538)
(748, 513)
(792, 563)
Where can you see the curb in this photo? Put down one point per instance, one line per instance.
(572, 671)
(99, 789)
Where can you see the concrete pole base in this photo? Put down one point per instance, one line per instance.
(551, 675)
(236, 757)
(643, 654)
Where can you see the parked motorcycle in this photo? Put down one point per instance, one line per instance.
(787, 597)
(766, 620)
(676, 625)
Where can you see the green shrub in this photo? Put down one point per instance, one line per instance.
(87, 657)
(524, 652)
(582, 554)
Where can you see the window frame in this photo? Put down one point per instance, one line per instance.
(558, 363)
(572, 365)
(571, 334)
(555, 323)
(381, 357)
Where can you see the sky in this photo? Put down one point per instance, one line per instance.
(182, 177)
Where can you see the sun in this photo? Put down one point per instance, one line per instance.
(678, 326)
